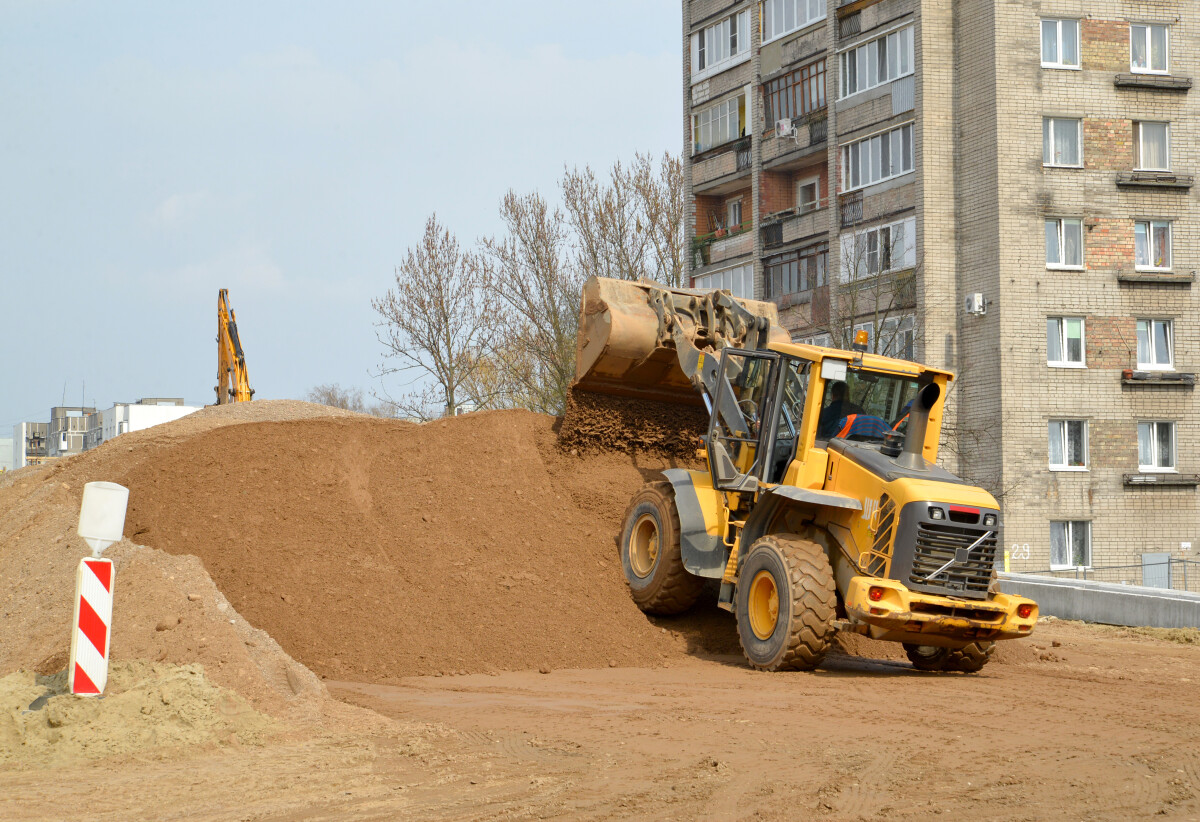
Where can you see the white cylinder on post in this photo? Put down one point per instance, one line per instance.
(101, 523)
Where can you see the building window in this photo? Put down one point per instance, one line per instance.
(796, 93)
(1068, 445)
(1152, 245)
(1061, 142)
(1151, 146)
(897, 338)
(879, 250)
(1064, 243)
(878, 158)
(1071, 544)
(1064, 342)
(808, 194)
(1156, 446)
(733, 213)
(1155, 345)
(721, 45)
(1060, 44)
(1147, 49)
(797, 271)
(877, 62)
(782, 17)
(719, 124)
(738, 281)
(823, 340)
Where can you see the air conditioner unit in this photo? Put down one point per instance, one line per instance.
(975, 304)
(784, 128)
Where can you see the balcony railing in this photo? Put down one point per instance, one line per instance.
(852, 209)
(722, 244)
(744, 157)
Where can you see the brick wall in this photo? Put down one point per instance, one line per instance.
(1109, 244)
(1105, 44)
(1107, 144)
(777, 191)
(704, 206)
(1111, 342)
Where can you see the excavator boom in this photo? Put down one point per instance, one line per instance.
(233, 381)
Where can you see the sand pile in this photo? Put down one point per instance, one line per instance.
(146, 705)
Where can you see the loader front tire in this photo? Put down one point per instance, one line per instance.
(972, 658)
(650, 553)
(785, 604)
(927, 657)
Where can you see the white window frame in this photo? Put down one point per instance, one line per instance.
(899, 337)
(736, 107)
(739, 279)
(1148, 28)
(770, 8)
(1153, 467)
(1060, 428)
(1062, 342)
(856, 249)
(1048, 140)
(865, 57)
(1150, 225)
(739, 21)
(1139, 143)
(1061, 226)
(1058, 25)
(1071, 527)
(855, 171)
(822, 340)
(1151, 363)
(801, 184)
(730, 205)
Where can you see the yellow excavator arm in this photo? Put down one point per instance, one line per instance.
(233, 383)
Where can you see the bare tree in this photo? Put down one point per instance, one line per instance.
(332, 394)
(436, 322)
(631, 225)
(538, 286)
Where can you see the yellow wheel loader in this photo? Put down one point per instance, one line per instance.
(821, 507)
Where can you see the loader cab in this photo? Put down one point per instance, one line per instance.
(775, 407)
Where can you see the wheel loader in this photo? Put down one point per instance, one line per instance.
(820, 507)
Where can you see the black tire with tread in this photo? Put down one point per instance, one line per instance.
(669, 588)
(804, 582)
(969, 659)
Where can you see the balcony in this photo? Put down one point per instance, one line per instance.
(852, 209)
(1147, 379)
(1158, 82)
(1154, 179)
(722, 169)
(788, 226)
(809, 138)
(721, 245)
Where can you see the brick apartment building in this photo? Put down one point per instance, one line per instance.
(1012, 182)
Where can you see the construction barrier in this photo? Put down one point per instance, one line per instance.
(91, 634)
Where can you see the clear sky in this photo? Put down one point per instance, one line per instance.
(152, 153)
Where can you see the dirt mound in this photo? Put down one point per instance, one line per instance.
(602, 422)
(146, 705)
(375, 550)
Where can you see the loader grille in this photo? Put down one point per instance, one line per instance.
(937, 544)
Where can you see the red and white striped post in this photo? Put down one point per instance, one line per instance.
(88, 672)
(101, 523)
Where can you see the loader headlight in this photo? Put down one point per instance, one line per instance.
(989, 520)
(936, 513)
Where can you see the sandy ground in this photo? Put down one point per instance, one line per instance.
(1104, 725)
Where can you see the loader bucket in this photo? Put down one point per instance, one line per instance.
(625, 349)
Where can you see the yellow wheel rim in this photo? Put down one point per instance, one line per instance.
(764, 605)
(643, 546)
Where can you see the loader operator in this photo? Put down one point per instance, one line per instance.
(835, 412)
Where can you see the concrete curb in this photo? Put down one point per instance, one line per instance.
(1106, 602)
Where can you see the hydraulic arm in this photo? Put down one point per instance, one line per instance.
(233, 382)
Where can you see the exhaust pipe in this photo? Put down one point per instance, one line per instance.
(918, 421)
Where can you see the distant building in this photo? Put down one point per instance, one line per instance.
(68, 424)
(7, 455)
(29, 443)
(133, 416)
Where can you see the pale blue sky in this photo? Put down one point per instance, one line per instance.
(152, 152)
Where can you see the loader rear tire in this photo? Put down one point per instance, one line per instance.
(785, 604)
(969, 660)
(972, 658)
(650, 553)
(927, 657)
